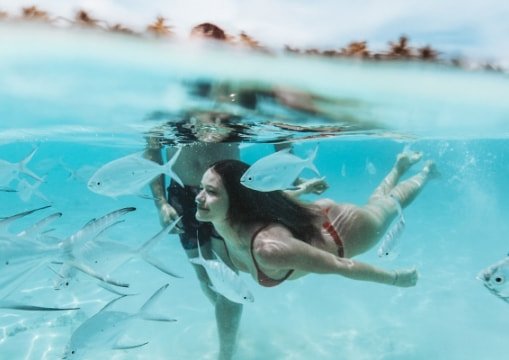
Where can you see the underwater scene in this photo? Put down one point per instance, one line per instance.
(88, 269)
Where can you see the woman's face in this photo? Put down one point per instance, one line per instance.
(212, 201)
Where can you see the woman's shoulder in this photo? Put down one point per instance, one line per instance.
(263, 233)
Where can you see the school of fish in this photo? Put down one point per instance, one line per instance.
(89, 250)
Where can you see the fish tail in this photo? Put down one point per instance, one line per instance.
(168, 168)
(169, 165)
(143, 251)
(311, 159)
(149, 244)
(23, 166)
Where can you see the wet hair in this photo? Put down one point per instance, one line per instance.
(249, 206)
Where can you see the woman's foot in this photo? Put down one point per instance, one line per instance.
(430, 169)
(406, 159)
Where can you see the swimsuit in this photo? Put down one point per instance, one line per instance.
(182, 199)
(263, 279)
(267, 281)
(327, 226)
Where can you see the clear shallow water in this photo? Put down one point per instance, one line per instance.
(454, 229)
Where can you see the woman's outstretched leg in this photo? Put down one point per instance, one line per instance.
(373, 220)
(403, 162)
(406, 191)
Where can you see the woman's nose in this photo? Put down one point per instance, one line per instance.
(199, 198)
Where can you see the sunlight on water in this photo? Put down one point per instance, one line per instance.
(83, 99)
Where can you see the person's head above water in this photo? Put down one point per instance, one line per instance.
(221, 183)
(208, 31)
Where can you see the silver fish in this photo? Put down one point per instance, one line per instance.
(224, 280)
(391, 238)
(70, 263)
(277, 171)
(104, 330)
(6, 221)
(496, 279)
(10, 171)
(109, 251)
(26, 190)
(26, 245)
(129, 174)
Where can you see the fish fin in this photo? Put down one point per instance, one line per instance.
(121, 346)
(27, 307)
(94, 226)
(197, 261)
(310, 159)
(81, 266)
(157, 317)
(155, 296)
(284, 151)
(114, 290)
(36, 229)
(23, 169)
(5, 189)
(220, 260)
(107, 228)
(9, 219)
(168, 167)
(149, 244)
(159, 265)
(200, 260)
(147, 197)
(110, 304)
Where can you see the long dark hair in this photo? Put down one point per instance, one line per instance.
(248, 206)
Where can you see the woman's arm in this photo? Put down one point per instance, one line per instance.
(291, 253)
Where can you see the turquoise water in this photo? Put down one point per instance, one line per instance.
(83, 99)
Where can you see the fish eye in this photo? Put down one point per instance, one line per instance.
(98, 183)
(499, 279)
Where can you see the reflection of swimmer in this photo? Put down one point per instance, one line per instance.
(275, 238)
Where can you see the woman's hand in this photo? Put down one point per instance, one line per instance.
(303, 187)
(315, 186)
(405, 278)
(167, 214)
